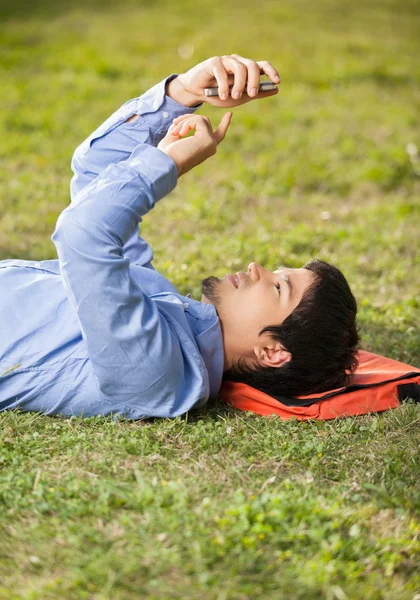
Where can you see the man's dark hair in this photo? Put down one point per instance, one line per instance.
(321, 334)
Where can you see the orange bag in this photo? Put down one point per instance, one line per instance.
(378, 384)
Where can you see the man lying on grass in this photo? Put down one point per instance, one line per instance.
(100, 331)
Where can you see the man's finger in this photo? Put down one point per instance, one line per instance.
(183, 117)
(177, 123)
(220, 131)
(268, 69)
(221, 77)
(239, 75)
(253, 74)
(182, 125)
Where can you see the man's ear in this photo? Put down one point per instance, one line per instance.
(271, 353)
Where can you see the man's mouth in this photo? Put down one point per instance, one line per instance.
(235, 279)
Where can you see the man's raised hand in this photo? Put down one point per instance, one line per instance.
(188, 152)
(223, 71)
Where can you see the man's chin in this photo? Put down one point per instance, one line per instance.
(205, 300)
(209, 290)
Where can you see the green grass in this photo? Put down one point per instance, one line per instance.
(221, 504)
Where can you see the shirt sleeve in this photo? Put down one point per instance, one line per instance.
(131, 346)
(115, 140)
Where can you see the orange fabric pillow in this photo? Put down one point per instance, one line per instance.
(378, 384)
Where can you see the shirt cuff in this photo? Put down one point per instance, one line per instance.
(159, 168)
(156, 101)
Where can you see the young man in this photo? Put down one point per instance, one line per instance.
(100, 331)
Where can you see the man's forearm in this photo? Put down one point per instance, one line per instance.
(116, 139)
(122, 327)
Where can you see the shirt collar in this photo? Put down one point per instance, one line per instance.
(208, 335)
(207, 331)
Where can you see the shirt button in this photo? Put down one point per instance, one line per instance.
(165, 115)
(186, 305)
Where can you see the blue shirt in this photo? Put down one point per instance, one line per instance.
(99, 330)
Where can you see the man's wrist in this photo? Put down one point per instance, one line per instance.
(178, 166)
(175, 90)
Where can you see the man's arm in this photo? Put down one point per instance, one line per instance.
(134, 354)
(133, 349)
(146, 119)
(141, 120)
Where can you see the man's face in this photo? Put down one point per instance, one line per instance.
(248, 302)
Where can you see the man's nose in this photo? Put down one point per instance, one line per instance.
(254, 270)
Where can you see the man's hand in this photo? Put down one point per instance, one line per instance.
(222, 71)
(189, 152)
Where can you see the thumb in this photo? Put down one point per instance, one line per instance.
(222, 128)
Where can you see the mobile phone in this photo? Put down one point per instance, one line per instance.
(265, 86)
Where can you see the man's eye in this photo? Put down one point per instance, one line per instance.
(278, 287)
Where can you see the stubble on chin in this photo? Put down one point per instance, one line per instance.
(210, 289)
